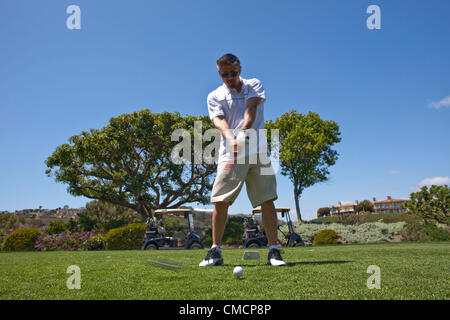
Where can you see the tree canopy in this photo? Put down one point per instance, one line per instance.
(102, 215)
(365, 206)
(431, 204)
(323, 212)
(305, 152)
(128, 163)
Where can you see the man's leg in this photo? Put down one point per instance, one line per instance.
(226, 188)
(219, 220)
(270, 222)
(269, 216)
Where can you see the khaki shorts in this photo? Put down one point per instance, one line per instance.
(260, 187)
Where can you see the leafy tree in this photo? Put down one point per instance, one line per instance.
(10, 221)
(305, 149)
(128, 163)
(86, 222)
(232, 234)
(55, 227)
(365, 206)
(323, 212)
(73, 226)
(234, 230)
(431, 204)
(102, 215)
(424, 231)
(172, 224)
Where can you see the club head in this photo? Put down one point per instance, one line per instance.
(166, 264)
(250, 255)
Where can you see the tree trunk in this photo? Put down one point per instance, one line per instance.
(297, 205)
(143, 211)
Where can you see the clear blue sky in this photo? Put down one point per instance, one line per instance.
(385, 88)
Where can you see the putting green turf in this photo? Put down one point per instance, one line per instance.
(408, 271)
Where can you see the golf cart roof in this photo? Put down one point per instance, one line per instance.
(181, 211)
(277, 209)
(202, 210)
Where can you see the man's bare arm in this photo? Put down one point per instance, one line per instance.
(250, 112)
(222, 125)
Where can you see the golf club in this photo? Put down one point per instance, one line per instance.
(166, 264)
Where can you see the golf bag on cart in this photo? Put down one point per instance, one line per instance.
(253, 237)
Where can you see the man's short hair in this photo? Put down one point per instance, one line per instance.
(228, 59)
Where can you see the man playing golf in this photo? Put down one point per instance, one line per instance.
(235, 107)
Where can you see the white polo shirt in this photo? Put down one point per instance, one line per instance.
(232, 104)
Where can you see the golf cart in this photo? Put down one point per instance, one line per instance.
(292, 238)
(155, 233)
(253, 237)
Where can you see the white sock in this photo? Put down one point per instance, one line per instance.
(216, 246)
(273, 247)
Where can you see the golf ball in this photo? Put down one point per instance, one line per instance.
(238, 271)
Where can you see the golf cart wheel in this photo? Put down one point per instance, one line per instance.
(196, 246)
(151, 247)
(299, 244)
(254, 245)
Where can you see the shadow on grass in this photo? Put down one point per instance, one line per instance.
(292, 264)
(242, 265)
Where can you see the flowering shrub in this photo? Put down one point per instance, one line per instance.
(369, 232)
(96, 242)
(62, 241)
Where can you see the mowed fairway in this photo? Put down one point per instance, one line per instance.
(408, 271)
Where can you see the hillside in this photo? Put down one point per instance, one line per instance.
(369, 217)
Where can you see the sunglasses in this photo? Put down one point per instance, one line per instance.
(228, 74)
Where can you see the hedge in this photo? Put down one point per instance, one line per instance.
(21, 240)
(426, 231)
(369, 232)
(326, 237)
(128, 237)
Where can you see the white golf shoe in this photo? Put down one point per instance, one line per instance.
(213, 258)
(274, 258)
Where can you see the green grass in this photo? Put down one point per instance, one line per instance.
(408, 271)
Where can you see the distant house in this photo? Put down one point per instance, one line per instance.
(344, 209)
(389, 206)
(66, 213)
